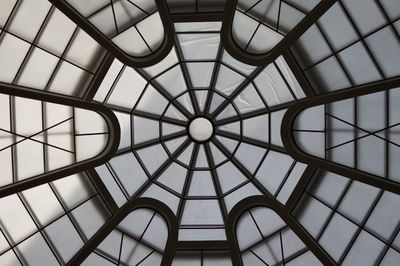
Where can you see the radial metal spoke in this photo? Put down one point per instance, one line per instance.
(164, 138)
(242, 168)
(298, 191)
(186, 77)
(165, 93)
(214, 79)
(216, 182)
(155, 117)
(258, 143)
(98, 77)
(102, 190)
(188, 181)
(236, 92)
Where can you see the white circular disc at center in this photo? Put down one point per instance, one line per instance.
(200, 129)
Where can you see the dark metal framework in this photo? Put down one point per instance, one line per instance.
(264, 201)
(298, 154)
(44, 230)
(375, 198)
(104, 156)
(189, 115)
(231, 219)
(118, 217)
(124, 57)
(267, 58)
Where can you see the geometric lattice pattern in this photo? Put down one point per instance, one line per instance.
(265, 239)
(134, 26)
(344, 48)
(258, 26)
(142, 236)
(38, 137)
(361, 133)
(49, 223)
(200, 182)
(99, 165)
(346, 217)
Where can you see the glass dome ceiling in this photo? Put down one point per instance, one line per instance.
(258, 132)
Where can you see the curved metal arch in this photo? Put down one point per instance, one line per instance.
(301, 156)
(284, 45)
(264, 201)
(117, 218)
(108, 151)
(133, 61)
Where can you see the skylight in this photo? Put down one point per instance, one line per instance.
(257, 132)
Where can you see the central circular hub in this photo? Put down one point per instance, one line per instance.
(201, 129)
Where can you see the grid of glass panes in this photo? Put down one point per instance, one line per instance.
(360, 133)
(265, 239)
(355, 223)
(259, 25)
(354, 42)
(132, 25)
(202, 257)
(48, 224)
(140, 239)
(349, 54)
(38, 137)
(43, 49)
(200, 182)
(195, 6)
